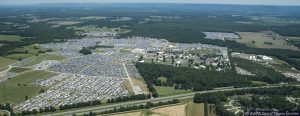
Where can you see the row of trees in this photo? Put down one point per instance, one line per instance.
(129, 98)
(78, 105)
(138, 107)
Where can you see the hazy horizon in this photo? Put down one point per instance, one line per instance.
(238, 2)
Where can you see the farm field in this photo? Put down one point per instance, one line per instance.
(195, 109)
(167, 91)
(5, 61)
(172, 110)
(10, 38)
(18, 87)
(265, 39)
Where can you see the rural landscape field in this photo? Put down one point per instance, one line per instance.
(149, 59)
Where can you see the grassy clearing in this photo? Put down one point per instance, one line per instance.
(18, 87)
(92, 18)
(19, 56)
(62, 23)
(141, 83)
(259, 83)
(128, 87)
(167, 91)
(31, 49)
(174, 110)
(5, 61)
(10, 38)
(264, 40)
(163, 79)
(19, 70)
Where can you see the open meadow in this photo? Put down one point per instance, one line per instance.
(18, 88)
(265, 39)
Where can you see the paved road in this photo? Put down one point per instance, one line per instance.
(160, 99)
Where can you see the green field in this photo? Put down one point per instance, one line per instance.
(19, 56)
(19, 70)
(167, 91)
(20, 86)
(265, 39)
(5, 61)
(31, 49)
(10, 38)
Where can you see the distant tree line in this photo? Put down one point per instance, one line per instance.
(129, 98)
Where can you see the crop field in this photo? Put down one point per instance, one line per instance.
(264, 40)
(196, 109)
(170, 110)
(18, 87)
(10, 38)
(5, 61)
(167, 91)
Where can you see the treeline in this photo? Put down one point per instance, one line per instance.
(275, 99)
(79, 104)
(129, 98)
(138, 107)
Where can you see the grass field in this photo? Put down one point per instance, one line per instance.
(19, 56)
(10, 38)
(259, 83)
(265, 39)
(92, 18)
(170, 110)
(122, 19)
(19, 70)
(128, 87)
(167, 91)
(20, 86)
(141, 83)
(5, 61)
(197, 109)
(194, 109)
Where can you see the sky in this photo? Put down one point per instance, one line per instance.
(251, 2)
